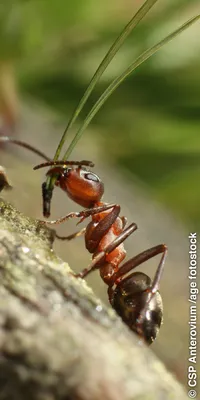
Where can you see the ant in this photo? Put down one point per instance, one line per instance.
(134, 297)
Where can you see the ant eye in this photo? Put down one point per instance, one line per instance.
(91, 177)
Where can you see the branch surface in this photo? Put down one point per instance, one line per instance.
(57, 341)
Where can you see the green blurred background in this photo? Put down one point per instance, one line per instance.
(151, 124)
(148, 131)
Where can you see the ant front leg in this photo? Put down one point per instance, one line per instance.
(81, 214)
(72, 236)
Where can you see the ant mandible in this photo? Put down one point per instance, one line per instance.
(135, 297)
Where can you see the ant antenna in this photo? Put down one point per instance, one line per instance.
(7, 139)
(47, 194)
(65, 163)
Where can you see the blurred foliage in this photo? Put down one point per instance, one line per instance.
(150, 126)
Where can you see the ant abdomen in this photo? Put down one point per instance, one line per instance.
(131, 301)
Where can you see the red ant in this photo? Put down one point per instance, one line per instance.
(134, 297)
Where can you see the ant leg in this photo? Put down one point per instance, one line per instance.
(95, 232)
(7, 139)
(153, 289)
(100, 257)
(81, 214)
(141, 258)
(159, 271)
(82, 231)
(72, 236)
(133, 263)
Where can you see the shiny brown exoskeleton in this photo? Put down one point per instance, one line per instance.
(132, 294)
(134, 297)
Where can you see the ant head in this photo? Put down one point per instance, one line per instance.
(131, 302)
(82, 186)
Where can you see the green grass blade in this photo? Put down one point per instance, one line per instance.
(113, 86)
(107, 59)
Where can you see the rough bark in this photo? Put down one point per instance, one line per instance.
(57, 341)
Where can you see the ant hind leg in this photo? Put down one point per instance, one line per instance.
(132, 264)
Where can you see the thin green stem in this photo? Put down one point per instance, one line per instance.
(105, 62)
(113, 86)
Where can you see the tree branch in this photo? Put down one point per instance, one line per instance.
(57, 341)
